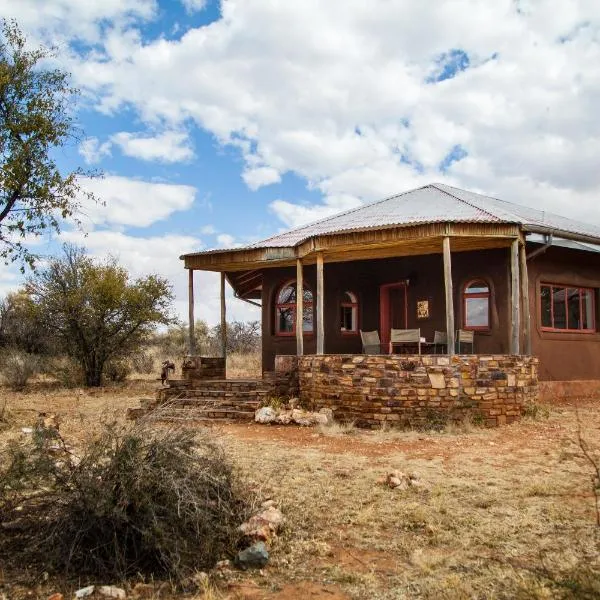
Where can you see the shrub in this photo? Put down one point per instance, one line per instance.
(154, 502)
(18, 368)
(142, 362)
(117, 371)
(66, 371)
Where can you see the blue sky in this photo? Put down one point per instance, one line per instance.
(220, 123)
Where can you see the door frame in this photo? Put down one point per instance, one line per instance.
(384, 308)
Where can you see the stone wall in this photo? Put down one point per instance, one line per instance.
(195, 368)
(283, 381)
(416, 390)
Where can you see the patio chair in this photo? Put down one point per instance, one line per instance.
(464, 337)
(404, 337)
(440, 340)
(371, 344)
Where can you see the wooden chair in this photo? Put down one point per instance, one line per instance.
(371, 344)
(440, 339)
(464, 337)
(400, 337)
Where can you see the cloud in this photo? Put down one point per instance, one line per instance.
(363, 100)
(53, 20)
(167, 147)
(124, 199)
(93, 151)
(192, 6)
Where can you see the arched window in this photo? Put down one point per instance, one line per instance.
(349, 313)
(476, 305)
(285, 310)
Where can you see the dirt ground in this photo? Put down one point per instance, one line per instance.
(502, 513)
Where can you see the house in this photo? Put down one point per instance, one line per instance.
(438, 259)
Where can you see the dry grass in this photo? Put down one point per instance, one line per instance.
(244, 365)
(503, 513)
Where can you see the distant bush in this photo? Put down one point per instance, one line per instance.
(138, 501)
(142, 362)
(18, 368)
(117, 371)
(66, 371)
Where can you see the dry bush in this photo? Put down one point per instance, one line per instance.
(143, 363)
(18, 368)
(66, 371)
(117, 370)
(242, 365)
(157, 502)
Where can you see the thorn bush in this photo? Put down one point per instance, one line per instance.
(160, 502)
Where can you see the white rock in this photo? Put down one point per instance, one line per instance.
(284, 417)
(328, 413)
(27, 430)
(266, 414)
(111, 591)
(85, 592)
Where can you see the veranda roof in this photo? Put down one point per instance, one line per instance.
(432, 204)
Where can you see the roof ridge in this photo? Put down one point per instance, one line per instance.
(346, 212)
(472, 205)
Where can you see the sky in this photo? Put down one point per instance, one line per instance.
(217, 124)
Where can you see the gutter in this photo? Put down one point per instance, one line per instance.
(565, 235)
(547, 243)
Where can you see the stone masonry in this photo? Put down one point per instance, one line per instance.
(411, 390)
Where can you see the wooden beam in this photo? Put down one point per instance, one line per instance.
(515, 321)
(192, 340)
(223, 318)
(449, 295)
(525, 300)
(320, 306)
(299, 308)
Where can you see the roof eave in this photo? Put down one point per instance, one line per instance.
(567, 235)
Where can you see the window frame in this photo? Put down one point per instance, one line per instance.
(487, 295)
(292, 306)
(566, 287)
(354, 306)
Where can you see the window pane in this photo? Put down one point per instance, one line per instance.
(477, 312)
(307, 295)
(587, 302)
(560, 309)
(287, 295)
(307, 318)
(479, 287)
(285, 320)
(546, 294)
(348, 318)
(573, 309)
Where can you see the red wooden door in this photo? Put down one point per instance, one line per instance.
(393, 309)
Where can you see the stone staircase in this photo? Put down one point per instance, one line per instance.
(183, 400)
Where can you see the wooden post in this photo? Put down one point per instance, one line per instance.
(223, 318)
(299, 308)
(192, 340)
(320, 306)
(449, 295)
(515, 322)
(525, 299)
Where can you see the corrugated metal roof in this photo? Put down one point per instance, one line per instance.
(433, 203)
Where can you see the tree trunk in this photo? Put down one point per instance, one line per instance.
(93, 373)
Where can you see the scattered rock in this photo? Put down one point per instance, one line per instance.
(266, 414)
(328, 414)
(263, 526)
(254, 557)
(27, 430)
(111, 591)
(57, 596)
(223, 565)
(85, 592)
(267, 504)
(397, 480)
(284, 417)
